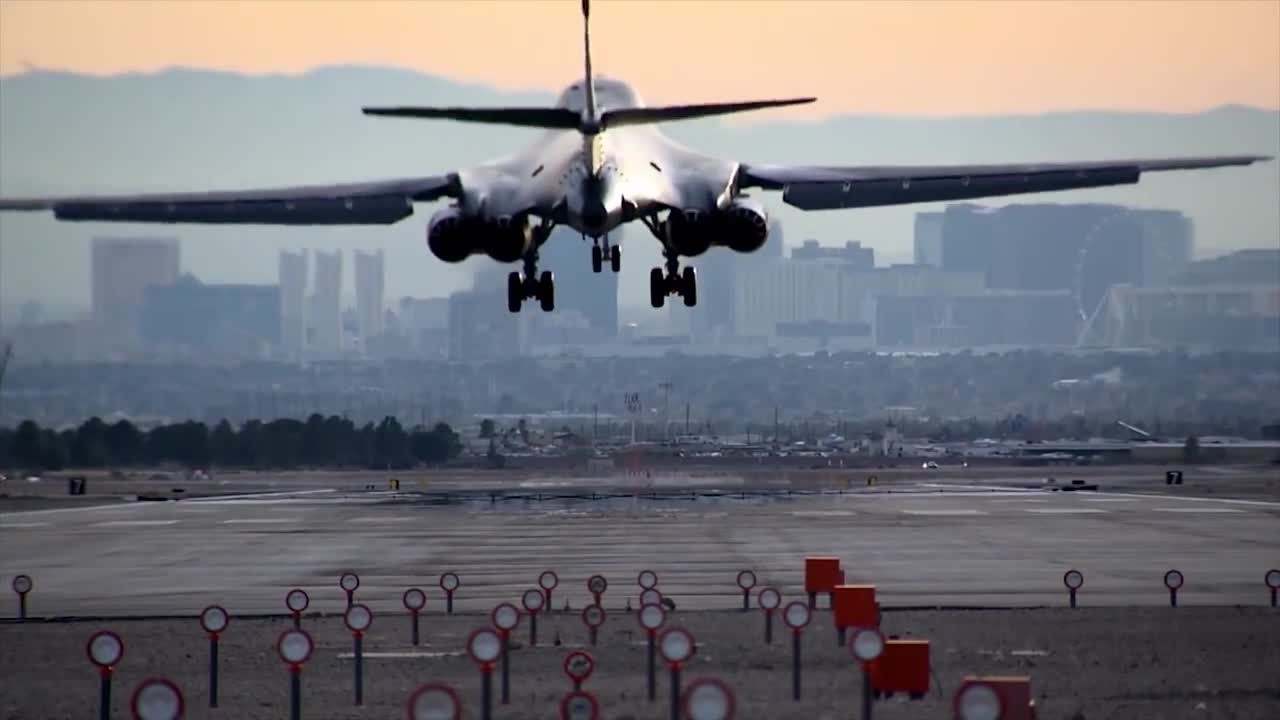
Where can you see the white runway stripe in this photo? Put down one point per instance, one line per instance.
(822, 513)
(375, 519)
(135, 523)
(16, 525)
(1064, 511)
(954, 511)
(1197, 510)
(259, 521)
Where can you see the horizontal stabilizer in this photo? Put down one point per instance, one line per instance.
(644, 115)
(551, 118)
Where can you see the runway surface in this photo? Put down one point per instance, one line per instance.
(941, 543)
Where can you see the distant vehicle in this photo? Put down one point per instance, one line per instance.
(602, 164)
(930, 465)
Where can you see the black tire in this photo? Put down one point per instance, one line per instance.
(597, 259)
(657, 288)
(615, 258)
(515, 292)
(689, 287)
(547, 291)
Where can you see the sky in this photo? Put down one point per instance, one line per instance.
(912, 57)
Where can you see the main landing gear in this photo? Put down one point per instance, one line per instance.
(673, 282)
(602, 249)
(530, 284)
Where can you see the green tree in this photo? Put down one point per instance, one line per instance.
(124, 442)
(1191, 449)
(487, 429)
(25, 448)
(436, 446)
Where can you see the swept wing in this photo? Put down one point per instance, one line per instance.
(378, 202)
(831, 187)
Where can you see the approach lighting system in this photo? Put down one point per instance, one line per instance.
(978, 701)
(435, 701)
(709, 699)
(157, 699)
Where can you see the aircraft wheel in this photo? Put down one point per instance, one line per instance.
(657, 288)
(547, 291)
(515, 292)
(597, 259)
(689, 287)
(615, 258)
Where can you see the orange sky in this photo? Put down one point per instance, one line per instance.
(907, 56)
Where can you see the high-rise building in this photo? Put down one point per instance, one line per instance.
(578, 289)
(325, 318)
(480, 326)
(370, 284)
(718, 270)
(232, 321)
(927, 240)
(852, 255)
(122, 269)
(293, 302)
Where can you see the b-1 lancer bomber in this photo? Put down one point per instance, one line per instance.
(602, 163)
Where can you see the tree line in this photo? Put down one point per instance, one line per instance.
(318, 441)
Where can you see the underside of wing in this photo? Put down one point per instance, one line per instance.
(379, 202)
(830, 187)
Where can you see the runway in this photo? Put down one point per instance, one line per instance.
(926, 544)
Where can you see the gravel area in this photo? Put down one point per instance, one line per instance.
(1090, 663)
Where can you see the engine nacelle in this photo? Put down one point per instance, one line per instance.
(507, 239)
(690, 231)
(746, 226)
(451, 236)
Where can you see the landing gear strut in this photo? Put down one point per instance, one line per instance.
(529, 284)
(600, 250)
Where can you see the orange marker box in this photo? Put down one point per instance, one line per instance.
(903, 667)
(821, 574)
(855, 606)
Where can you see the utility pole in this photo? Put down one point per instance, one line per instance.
(595, 423)
(666, 416)
(686, 418)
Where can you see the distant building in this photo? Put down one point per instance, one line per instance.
(370, 285)
(324, 320)
(927, 239)
(592, 295)
(293, 302)
(426, 323)
(1244, 267)
(480, 326)
(785, 292)
(1082, 248)
(1212, 317)
(122, 269)
(233, 321)
(853, 256)
(1018, 318)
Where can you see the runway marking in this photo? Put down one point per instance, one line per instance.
(376, 519)
(953, 511)
(257, 496)
(113, 506)
(1197, 510)
(135, 523)
(1065, 511)
(259, 521)
(17, 525)
(1177, 498)
(822, 513)
(1107, 499)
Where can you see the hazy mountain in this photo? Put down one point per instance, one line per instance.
(189, 129)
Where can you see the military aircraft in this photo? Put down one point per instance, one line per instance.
(602, 163)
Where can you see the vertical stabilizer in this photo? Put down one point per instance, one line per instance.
(589, 85)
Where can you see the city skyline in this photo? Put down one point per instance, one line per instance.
(1157, 56)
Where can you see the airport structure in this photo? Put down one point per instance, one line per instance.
(122, 270)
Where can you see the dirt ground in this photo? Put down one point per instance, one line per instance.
(1090, 663)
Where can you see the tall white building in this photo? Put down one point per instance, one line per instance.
(785, 291)
(293, 301)
(370, 284)
(325, 320)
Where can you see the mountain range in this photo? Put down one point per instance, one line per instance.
(189, 129)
